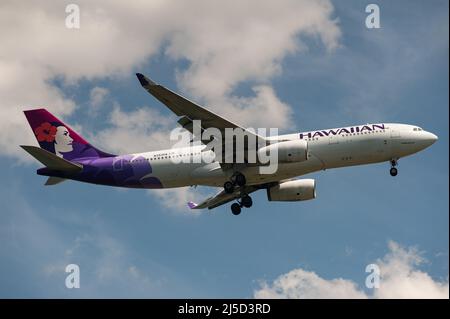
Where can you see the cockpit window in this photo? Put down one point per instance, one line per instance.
(417, 129)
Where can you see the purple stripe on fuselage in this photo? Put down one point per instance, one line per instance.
(124, 171)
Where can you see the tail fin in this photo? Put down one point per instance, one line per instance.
(56, 137)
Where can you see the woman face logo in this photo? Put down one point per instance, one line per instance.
(63, 141)
(56, 135)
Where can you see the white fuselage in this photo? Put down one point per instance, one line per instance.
(331, 148)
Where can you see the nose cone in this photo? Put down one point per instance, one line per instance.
(429, 138)
(433, 138)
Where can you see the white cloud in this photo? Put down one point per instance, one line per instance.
(176, 199)
(228, 46)
(143, 129)
(229, 43)
(303, 284)
(400, 278)
(225, 43)
(264, 109)
(22, 88)
(97, 96)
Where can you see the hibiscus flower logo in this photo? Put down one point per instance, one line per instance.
(46, 132)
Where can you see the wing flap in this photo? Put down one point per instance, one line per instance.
(222, 198)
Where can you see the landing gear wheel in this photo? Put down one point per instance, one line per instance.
(228, 187)
(246, 201)
(240, 179)
(393, 171)
(235, 208)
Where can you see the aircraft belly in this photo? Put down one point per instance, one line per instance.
(187, 174)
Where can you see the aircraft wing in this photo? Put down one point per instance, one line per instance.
(223, 198)
(188, 110)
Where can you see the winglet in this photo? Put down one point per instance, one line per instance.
(144, 80)
(192, 205)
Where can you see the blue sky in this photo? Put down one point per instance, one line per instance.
(137, 243)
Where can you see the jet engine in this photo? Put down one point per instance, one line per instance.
(288, 151)
(295, 190)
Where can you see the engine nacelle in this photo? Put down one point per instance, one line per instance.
(288, 151)
(297, 190)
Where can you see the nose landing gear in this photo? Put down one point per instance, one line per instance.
(393, 171)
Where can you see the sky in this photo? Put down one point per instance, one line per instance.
(292, 64)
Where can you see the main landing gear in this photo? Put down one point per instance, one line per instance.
(235, 208)
(246, 201)
(237, 179)
(393, 171)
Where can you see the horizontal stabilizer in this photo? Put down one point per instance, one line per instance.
(53, 180)
(51, 160)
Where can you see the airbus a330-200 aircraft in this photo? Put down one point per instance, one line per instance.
(66, 155)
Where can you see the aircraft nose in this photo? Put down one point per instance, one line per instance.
(430, 138)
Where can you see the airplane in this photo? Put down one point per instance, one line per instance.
(68, 156)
